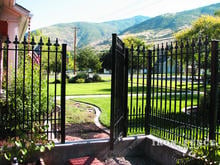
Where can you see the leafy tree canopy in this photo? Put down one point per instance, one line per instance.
(204, 26)
(88, 59)
(131, 40)
(135, 42)
(217, 13)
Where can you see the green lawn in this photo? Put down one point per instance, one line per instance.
(104, 105)
(104, 88)
(99, 88)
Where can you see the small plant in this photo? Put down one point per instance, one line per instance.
(89, 80)
(80, 80)
(25, 145)
(96, 78)
(205, 153)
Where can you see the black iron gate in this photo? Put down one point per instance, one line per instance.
(119, 88)
(173, 90)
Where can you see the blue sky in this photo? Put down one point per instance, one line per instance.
(49, 12)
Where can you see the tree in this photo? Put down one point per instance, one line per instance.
(204, 26)
(217, 13)
(53, 64)
(70, 61)
(106, 60)
(87, 59)
(136, 42)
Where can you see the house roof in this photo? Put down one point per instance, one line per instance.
(21, 7)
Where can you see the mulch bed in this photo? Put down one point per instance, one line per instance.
(84, 131)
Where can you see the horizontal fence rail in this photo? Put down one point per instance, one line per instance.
(30, 82)
(169, 91)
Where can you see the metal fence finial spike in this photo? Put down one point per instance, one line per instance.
(7, 41)
(41, 42)
(181, 44)
(56, 43)
(48, 42)
(16, 40)
(32, 41)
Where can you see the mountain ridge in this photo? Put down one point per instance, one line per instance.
(175, 20)
(98, 35)
(88, 31)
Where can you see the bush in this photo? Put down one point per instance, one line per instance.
(89, 80)
(72, 80)
(207, 152)
(24, 147)
(82, 76)
(34, 106)
(96, 78)
(80, 80)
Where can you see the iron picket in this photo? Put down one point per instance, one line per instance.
(23, 98)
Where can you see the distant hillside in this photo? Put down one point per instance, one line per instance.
(98, 35)
(165, 25)
(89, 32)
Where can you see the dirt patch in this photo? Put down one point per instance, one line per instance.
(84, 131)
(87, 129)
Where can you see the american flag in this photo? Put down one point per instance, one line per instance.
(36, 55)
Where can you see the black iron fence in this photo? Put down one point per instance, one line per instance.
(173, 90)
(32, 76)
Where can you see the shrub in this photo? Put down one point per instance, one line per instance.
(81, 75)
(96, 78)
(34, 106)
(89, 80)
(72, 80)
(24, 147)
(80, 80)
(207, 152)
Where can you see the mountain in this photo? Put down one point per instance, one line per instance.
(89, 32)
(98, 35)
(165, 25)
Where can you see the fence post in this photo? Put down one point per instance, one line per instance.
(63, 92)
(126, 93)
(114, 36)
(214, 93)
(148, 104)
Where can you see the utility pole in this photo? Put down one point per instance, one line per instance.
(74, 44)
